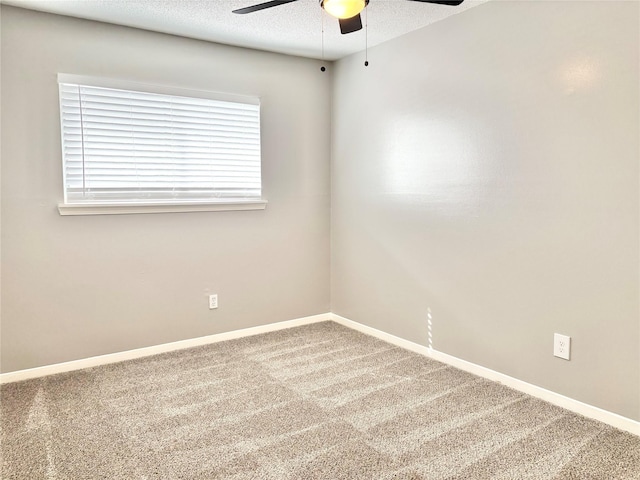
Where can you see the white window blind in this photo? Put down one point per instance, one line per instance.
(147, 147)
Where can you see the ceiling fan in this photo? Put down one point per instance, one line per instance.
(346, 11)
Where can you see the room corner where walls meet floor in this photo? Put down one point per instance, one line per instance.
(570, 404)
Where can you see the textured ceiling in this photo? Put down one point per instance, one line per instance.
(294, 28)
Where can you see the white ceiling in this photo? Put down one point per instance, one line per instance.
(294, 28)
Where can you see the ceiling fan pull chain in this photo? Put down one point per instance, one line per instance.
(366, 37)
(322, 68)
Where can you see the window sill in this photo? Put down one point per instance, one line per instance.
(133, 208)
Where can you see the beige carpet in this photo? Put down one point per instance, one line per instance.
(315, 402)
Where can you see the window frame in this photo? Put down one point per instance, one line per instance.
(154, 206)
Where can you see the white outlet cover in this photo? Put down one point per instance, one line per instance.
(213, 301)
(562, 346)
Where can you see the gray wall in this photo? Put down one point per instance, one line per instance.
(486, 168)
(74, 287)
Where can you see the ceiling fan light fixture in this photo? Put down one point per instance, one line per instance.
(343, 8)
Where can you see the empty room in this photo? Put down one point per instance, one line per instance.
(320, 239)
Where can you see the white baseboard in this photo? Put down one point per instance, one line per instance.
(613, 419)
(576, 406)
(156, 349)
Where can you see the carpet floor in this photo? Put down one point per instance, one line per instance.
(314, 402)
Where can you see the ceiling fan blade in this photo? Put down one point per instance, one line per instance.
(453, 3)
(262, 6)
(350, 25)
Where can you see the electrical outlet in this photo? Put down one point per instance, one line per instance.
(213, 301)
(561, 346)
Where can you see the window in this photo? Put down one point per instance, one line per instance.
(157, 146)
